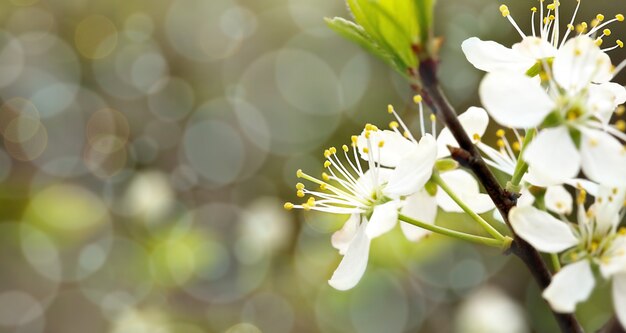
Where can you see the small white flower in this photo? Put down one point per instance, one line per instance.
(593, 240)
(372, 196)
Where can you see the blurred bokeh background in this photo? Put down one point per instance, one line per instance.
(148, 146)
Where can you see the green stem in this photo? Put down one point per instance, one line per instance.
(504, 243)
(555, 262)
(521, 167)
(490, 229)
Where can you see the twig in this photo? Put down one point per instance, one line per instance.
(469, 156)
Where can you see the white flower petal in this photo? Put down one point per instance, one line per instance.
(354, 263)
(619, 297)
(542, 230)
(341, 238)
(604, 98)
(609, 203)
(394, 148)
(571, 285)
(515, 100)
(474, 121)
(383, 219)
(490, 56)
(558, 200)
(466, 188)
(415, 168)
(579, 62)
(422, 207)
(535, 48)
(526, 198)
(552, 157)
(603, 158)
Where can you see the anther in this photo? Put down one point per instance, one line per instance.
(534, 9)
(345, 148)
(516, 146)
(299, 186)
(606, 32)
(500, 143)
(300, 194)
(600, 17)
(381, 144)
(390, 109)
(619, 17)
(333, 150)
(327, 164)
(620, 110)
(500, 133)
(288, 206)
(619, 43)
(394, 124)
(504, 10)
(299, 173)
(417, 99)
(366, 150)
(325, 176)
(476, 137)
(620, 125)
(599, 41)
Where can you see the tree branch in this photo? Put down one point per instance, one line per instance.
(469, 156)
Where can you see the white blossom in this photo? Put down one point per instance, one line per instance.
(371, 196)
(595, 239)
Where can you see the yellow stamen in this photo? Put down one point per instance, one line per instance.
(288, 206)
(619, 17)
(327, 164)
(600, 17)
(390, 108)
(300, 194)
(381, 144)
(500, 133)
(620, 110)
(325, 176)
(394, 124)
(582, 197)
(516, 146)
(299, 173)
(606, 32)
(620, 125)
(476, 137)
(299, 186)
(417, 99)
(619, 43)
(504, 10)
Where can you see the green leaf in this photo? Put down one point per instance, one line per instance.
(357, 34)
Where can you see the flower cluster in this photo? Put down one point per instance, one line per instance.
(559, 90)
(387, 174)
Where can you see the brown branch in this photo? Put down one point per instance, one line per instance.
(469, 156)
(612, 326)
